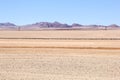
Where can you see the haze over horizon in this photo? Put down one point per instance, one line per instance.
(104, 12)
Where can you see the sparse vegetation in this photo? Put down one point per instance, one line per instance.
(56, 59)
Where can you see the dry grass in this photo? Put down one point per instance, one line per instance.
(66, 44)
(59, 64)
(36, 59)
(62, 34)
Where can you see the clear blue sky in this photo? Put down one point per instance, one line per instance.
(66, 11)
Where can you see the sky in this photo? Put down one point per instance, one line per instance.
(86, 12)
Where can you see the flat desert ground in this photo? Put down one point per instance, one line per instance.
(60, 55)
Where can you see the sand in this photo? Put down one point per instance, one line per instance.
(36, 59)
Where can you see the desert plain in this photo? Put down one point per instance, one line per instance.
(60, 55)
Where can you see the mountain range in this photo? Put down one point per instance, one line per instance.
(54, 26)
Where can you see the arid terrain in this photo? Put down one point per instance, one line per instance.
(60, 55)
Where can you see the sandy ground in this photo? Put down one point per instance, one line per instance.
(61, 34)
(59, 59)
(59, 64)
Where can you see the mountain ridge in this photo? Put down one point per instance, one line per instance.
(55, 25)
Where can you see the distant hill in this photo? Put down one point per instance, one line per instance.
(55, 26)
(8, 26)
(45, 25)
